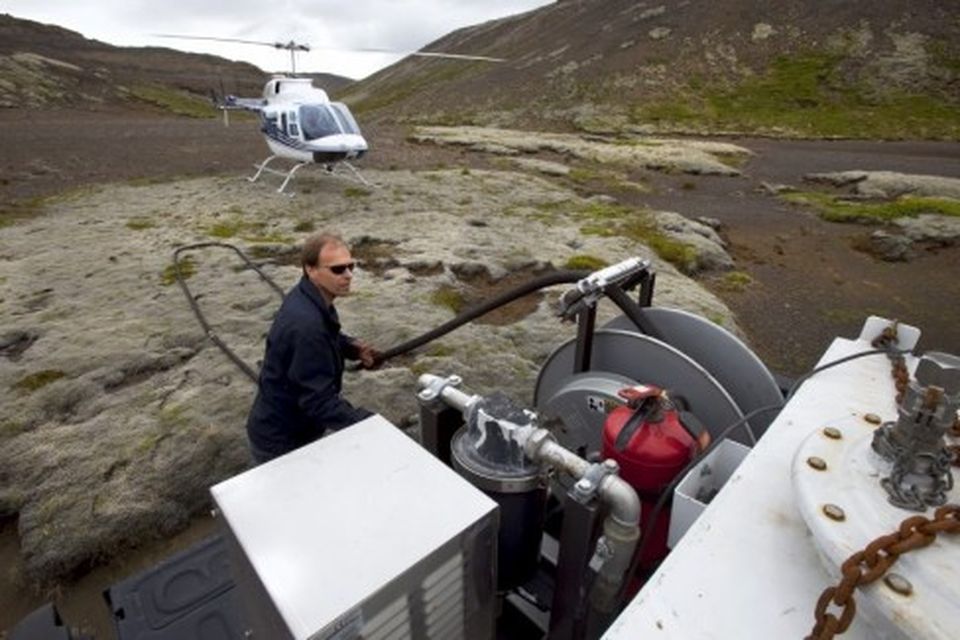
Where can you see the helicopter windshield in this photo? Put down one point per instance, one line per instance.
(318, 121)
(345, 118)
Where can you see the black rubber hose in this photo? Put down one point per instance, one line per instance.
(207, 329)
(546, 280)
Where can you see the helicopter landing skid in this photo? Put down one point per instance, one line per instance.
(287, 175)
(353, 175)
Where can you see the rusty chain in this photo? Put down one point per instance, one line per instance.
(866, 566)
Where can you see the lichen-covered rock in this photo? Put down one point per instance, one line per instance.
(119, 413)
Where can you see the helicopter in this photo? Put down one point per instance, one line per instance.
(299, 122)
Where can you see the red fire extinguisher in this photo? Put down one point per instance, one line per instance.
(652, 437)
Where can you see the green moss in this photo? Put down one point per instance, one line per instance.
(148, 443)
(304, 226)
(808, 95)
(187, 269)
(181, 103)
(356, 192)
(225, 229)
(434, 73)
(585, 262)
(940, 52)
(38, 380)
(610, 219)
(736, 281)
(448, 297)
(834, 209)
(139, 224)
(10, 428)
(440, 351)
(173, 418)
(250, 231)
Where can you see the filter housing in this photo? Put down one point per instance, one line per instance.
(361, 534)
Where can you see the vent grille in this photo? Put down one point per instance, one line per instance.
(442, 594)
(392, 623)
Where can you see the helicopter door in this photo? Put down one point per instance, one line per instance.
(293, 128)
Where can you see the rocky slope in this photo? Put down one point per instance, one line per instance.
(791, 67)
(47, 66)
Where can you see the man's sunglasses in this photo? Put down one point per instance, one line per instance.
(339, 269)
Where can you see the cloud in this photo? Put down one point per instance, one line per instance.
(333, 27)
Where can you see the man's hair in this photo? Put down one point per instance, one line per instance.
(310, 254)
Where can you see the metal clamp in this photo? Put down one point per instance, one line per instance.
(587, 487)
(589, 289)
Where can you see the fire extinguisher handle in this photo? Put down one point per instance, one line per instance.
(633, 423)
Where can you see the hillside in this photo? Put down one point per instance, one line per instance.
(48, 66)
(889, 69)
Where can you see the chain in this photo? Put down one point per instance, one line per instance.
(888, 340)
(866, 566)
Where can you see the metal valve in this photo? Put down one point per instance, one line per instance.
(921, 474)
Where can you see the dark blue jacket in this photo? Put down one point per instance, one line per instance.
(299, 388)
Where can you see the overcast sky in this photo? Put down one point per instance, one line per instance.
(331, 27)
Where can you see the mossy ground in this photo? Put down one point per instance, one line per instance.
(180, 103)
(836, 209)
(807, 95)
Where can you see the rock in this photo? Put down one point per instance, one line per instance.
(837, 179)
(707, 244)
(890, 247)
(777, 189)
(697, 157)
(543, 166)
(713, 223)
(889, 184)
(935, 229)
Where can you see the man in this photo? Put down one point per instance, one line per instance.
(298, 395)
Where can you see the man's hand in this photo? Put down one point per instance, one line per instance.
(369, 356)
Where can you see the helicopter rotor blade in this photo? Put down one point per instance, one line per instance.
(434, 54)
(289, 46)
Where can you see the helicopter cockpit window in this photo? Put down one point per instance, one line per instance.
(345, 118)
(318, 121)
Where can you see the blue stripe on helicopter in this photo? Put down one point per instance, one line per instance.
(281, 138)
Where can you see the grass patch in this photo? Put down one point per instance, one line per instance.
(139, 224)
(608, 219)
(448, 297)
(249, 231)
(305, 226)
(736, 281)
(180, 103)
(808, 95)
(38, 380)
(434, 73)
(24, 209)
(440, 351)
(585, 263)
(835, 209)
(187, 269)
(10, 428)
(356, 192)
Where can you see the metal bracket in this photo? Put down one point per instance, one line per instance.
(586, 487)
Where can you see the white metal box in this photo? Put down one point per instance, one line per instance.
(361, 534)
(705, 479)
